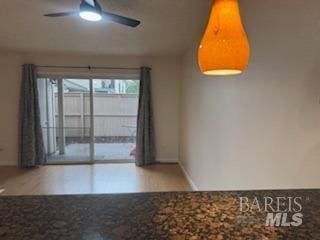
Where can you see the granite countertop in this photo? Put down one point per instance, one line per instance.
(181, 215)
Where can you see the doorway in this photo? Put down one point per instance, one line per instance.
(88, 120)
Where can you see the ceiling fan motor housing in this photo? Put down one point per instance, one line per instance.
(84, 6)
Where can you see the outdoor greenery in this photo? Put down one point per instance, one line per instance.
(132, 86)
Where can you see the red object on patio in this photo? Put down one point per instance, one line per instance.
(133, 151)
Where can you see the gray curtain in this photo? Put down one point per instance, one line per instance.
(31, 146)
(145, 151)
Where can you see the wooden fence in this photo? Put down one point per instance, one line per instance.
(114, 114)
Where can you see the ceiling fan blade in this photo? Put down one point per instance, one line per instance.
(62, 14)
(120, 19)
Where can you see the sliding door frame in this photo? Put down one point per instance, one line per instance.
(89, 77)
(92, 147)
(60, 80)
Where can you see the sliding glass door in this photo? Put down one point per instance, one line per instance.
(88, 120)
(65, 114)
(115, 119)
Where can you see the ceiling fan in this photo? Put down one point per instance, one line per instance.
(91, 10)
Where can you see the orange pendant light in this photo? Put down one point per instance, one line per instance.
(224, 49)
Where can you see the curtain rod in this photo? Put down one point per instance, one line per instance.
(90, 67)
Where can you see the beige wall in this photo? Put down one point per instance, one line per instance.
(262, 129)
(165, 75)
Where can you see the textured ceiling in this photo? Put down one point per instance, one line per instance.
(168, 27)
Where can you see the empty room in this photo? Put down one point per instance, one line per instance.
(159, 119)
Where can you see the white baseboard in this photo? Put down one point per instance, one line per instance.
(168, 160)
(161, 160)
(186, 174)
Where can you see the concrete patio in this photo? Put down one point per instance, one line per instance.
(80, 152)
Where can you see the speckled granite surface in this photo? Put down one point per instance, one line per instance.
(199, 215)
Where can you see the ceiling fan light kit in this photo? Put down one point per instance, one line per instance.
(90, 16)
(224, 49)
(91, 10)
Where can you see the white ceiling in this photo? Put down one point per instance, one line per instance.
(168, 27)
